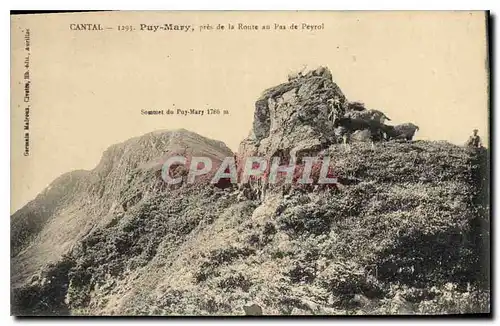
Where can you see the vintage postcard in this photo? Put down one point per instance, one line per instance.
(250, 163)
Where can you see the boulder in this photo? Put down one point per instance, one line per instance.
(296, 117)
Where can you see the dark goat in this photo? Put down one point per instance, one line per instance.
(402, 131)
(349, 126)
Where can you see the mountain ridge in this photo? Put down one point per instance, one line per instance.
(118, 166)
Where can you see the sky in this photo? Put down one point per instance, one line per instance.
(88, 88)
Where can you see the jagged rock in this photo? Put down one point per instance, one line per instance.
(295, 117)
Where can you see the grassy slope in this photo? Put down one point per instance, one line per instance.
(408, 234)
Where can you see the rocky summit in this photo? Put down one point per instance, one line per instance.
(406, 232)
(295, 117)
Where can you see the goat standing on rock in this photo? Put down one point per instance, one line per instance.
(402, 131)
(368, 115)
(347, 126)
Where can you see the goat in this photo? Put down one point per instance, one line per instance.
(402, 131)
(348, 126)
(371, 114)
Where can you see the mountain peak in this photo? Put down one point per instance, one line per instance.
(296, 116)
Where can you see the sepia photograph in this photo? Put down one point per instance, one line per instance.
(250, 163)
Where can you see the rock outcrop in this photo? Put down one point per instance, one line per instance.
(296, 117)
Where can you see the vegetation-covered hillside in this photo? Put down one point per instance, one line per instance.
(408, 232)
